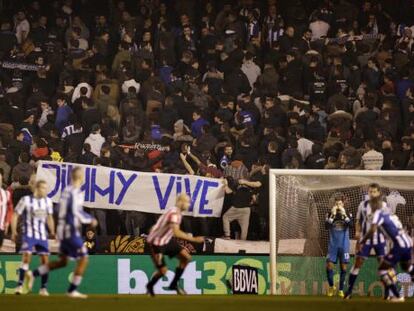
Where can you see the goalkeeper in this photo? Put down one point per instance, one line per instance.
(338, 222)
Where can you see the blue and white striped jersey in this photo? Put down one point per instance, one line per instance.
(34, 212)
(364, 218)
(71, 214)
(392, 228)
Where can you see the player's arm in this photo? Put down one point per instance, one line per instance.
(179, 234)
(18, 211)
(50, 221)
(9, 213)
(86, 219)
(81, 215)
(330, 217)
(358, 223)
(14, 221)
(51, 225)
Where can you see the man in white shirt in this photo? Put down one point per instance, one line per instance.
(77, 91)
(22, 27)
(372, 159)
(95, 140)
(304, 145)
(250, 69)
(319, 28)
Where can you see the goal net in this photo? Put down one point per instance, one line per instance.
(299, 203)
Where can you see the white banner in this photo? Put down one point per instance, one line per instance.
(111, 188)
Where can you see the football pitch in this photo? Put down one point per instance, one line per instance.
(195, 303)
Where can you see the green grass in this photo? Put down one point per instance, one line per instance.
(195, 303)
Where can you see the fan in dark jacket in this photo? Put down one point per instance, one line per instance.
(316, 160)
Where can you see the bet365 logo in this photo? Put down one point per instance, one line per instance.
(201, 276)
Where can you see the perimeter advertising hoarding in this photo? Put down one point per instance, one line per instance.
(128, 274)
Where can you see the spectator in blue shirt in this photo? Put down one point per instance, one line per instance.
(62, 114)
(197, 124)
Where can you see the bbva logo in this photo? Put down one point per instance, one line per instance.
(245, 280)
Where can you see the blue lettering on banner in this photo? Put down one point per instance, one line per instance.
(194, 194)
(103, 192)
(125, 186)
(56, 188)
(90, 187)
(115, 187)
(203, 201)
(86, 187)
(163, 199)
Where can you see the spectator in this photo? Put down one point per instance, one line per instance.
(240, 209)
(87, 156)
(317, 160)
(63, 113)
(304, 145)
(95, 140)
(198, 123)
(318, 27)
(236, 170)
(90, 116)
(372, 159)
(23, 169)
(250, 69)
(5, 168)
(22, 27)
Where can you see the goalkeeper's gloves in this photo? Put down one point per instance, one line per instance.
(341, 210)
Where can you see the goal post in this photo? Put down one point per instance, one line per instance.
(300, 199)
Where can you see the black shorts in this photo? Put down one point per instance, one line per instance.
(171, 250)
(1, 237)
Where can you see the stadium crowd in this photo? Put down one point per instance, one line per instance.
(215, 88)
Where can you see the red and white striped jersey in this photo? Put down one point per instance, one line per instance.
(6, 208)
(162, 233)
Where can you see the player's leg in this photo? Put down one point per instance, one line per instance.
(330, 275)
(410, 270)
(159, 263)
(407, 267)
(42, 249)
(26, 251)
(60, 263)
(77, 251)
(184, 258)
(24, 267)
(43, 270)
(342, 277)
(331, 261)
(380, 251)
(343, 263)
(44, 259)
(353, 275)
(81, 265)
